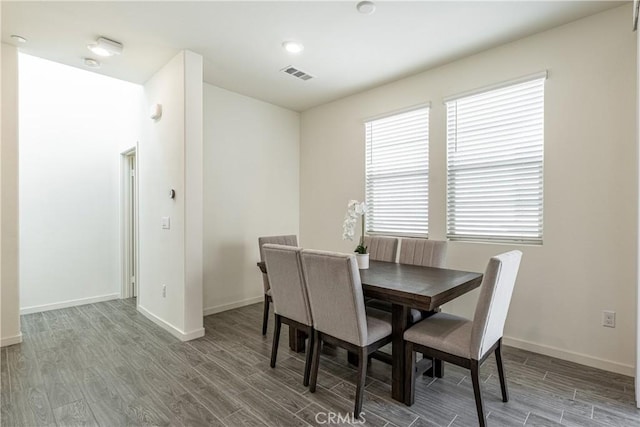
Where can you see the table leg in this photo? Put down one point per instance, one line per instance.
(296, 339)
(399, 314)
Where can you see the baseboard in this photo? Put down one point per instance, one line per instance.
(16, 339)
(67, 304)
(583, 359)
(182, 336)
(224, 307)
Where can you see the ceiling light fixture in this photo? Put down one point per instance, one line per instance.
(18, 38)
(366, 7)
(105, 47)
(293, 47)
(91, 63)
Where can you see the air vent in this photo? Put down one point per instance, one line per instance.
(297, 73)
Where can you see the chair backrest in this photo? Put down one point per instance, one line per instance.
(288, 288)
(381, 248)
(493, 304)
(288, 240)
(424, 252)
(335, 294)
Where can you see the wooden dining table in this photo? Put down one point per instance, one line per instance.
(405, 287)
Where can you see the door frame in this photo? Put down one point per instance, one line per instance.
(126, 223)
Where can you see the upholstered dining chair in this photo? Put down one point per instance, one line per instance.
(381, 248)
(463, 342)
(424, 252)
(339, 316)
(290, 298)
(288, 240)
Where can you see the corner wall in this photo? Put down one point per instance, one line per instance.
(251, 155)
(169, 157)
(587, 263)
(9, 263)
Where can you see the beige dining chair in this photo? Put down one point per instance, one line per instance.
(424, 252)
(381, 248)
(385, 249)
(339, 316)
(463, 342)
(288, 240)
(290, 298)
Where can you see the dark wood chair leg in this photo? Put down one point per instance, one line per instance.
(503, 380)
(307, 359)
(438, 368)
(475, 378)
(276, 340)
(265, 315)
(362, 377)
(410, 374)
(431, 371)
(316, 361)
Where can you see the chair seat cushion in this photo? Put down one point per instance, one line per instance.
(414, 315)
(378, 325)
(444, 332)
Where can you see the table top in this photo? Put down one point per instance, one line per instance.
(424, 288)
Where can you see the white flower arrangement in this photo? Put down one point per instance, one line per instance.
(355, 209)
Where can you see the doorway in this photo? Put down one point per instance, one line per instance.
(129, 204)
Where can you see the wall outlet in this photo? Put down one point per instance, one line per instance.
(609, 319)
(164, 291)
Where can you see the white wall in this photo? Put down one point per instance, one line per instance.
(638, 219)
(170, 157)
(251, 156)
(9, 270)
(588, 261)
(73, 126)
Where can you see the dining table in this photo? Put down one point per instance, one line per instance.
(404, 286)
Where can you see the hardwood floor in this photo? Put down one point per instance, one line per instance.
(105, 364)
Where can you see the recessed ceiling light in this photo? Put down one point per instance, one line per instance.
(18, 38)
(366, 7)
(105, 47)
(293, 47)
(91, 63)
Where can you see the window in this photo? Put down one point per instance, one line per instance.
(397, 173)
(494, 163)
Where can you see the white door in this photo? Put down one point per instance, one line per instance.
(129, 233)
(133, 243)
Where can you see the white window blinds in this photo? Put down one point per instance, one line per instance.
(494, 164)
(397, 173)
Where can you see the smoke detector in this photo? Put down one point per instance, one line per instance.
(366, 7)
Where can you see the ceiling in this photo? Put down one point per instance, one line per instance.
(241, 42)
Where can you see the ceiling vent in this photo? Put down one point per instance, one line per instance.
(296, 73)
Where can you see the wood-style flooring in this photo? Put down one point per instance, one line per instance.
(105, 364)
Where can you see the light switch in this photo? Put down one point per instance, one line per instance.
(166, 222)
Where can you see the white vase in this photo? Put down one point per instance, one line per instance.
(363, 261)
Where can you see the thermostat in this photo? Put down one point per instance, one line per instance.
(155, 112)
